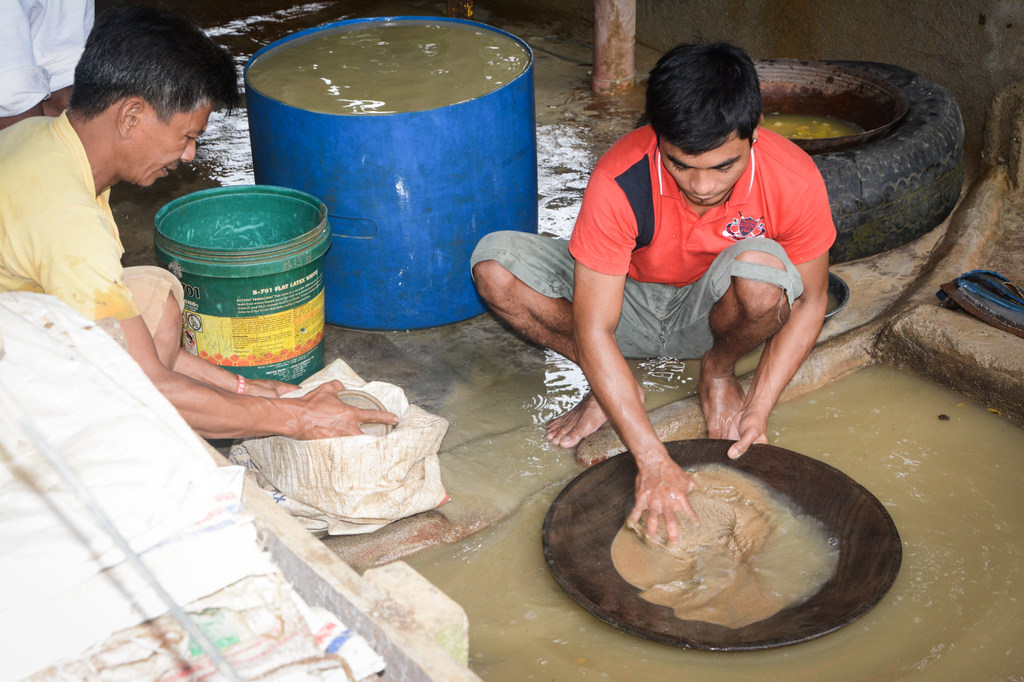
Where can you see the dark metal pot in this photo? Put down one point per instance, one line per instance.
(791, 86)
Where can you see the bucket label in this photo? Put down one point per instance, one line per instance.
(258, 340)
(279, 295)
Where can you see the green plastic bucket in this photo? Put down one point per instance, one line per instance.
(250, 259)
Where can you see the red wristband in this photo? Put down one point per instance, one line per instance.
(241, 384)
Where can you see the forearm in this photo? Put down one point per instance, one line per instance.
(207, 401)
(615, 389)
(205, 372)
(661, 485)
(783, 354)
(216, 412)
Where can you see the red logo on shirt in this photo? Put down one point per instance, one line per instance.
(744, 228)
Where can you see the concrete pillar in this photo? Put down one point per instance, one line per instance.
(614, 45)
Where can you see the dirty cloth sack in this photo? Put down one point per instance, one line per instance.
(66, 385)
(353, 484)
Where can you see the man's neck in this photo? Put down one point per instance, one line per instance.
(96, 137)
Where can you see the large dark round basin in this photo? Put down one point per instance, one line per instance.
(792, 86)
(584, 518)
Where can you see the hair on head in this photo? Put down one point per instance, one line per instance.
(698, 95)
(160, 56)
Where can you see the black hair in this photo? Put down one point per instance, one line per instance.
(160, 56)
(699, 95)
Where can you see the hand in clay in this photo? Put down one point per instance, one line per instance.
(661, 490)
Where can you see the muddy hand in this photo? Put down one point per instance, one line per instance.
(746, 429)
(661, 491)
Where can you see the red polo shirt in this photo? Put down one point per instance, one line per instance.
(780, 195)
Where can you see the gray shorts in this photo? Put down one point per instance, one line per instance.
(658, 320)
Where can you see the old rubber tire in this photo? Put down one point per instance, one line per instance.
(898, 187)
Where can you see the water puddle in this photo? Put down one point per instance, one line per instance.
(948, 471)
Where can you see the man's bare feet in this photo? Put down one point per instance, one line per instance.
(576, 424)
(581, 421)
(721, 399)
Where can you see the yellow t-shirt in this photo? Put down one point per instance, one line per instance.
(56, 236)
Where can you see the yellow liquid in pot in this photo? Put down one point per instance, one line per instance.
(804, 127)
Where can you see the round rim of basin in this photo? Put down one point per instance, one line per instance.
(794, 86)
(585, 517)
(837, 287)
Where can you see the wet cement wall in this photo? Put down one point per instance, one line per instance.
(973, 48)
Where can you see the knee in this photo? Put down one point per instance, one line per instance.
(761, 258)
(759, 298)
(492, 280)
(167, 333)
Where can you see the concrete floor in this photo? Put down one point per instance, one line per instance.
(497, 390)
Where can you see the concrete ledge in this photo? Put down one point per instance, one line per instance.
(322, 579)
(433, 612)
(961, 352)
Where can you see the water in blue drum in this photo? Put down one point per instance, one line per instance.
(389, 68)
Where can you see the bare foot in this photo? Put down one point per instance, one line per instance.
(721, 398)
(581, 421)
(576, 424)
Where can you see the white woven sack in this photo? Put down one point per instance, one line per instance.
(355, 484)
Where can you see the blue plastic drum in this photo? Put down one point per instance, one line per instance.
(408, 193)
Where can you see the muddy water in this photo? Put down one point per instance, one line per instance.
(386, 68)
(955, 612)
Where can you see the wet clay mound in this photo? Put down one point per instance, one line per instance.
(584, 519)
(750, 557)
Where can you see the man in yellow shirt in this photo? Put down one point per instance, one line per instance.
(143, 92)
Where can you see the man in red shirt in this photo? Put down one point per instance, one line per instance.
(700, 235)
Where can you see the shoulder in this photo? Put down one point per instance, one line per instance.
(795, 196)
(33, 152)
(27, 136)
(39, 174)
(627, 151)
